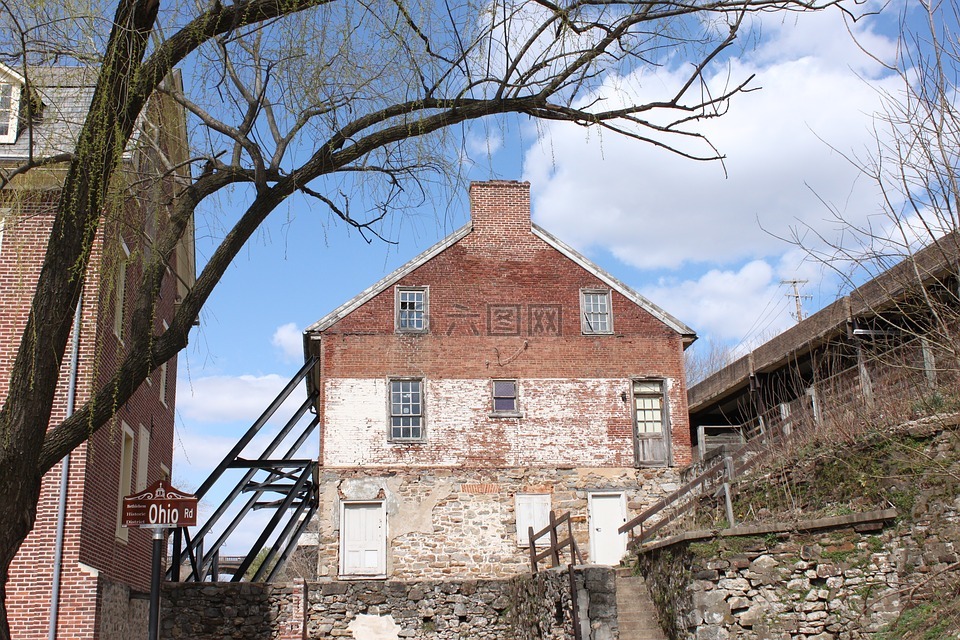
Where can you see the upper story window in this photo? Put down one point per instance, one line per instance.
(126, 477)
(163, 374)
(120, 291)
(4, 214)
(412, 309)
(406, 410)
(505, 398)
(596, 315)
(9, 111)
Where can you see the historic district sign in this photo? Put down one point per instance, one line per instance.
(160, 505)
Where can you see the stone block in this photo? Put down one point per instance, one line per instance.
(712, 632)
(763, 563)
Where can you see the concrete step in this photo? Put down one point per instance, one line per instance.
(636, 613)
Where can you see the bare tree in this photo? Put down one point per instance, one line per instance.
(307, 96)
(704, 358)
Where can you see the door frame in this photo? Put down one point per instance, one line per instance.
(341, 571)
(622, 537)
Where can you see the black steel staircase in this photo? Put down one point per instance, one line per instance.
(285, 484)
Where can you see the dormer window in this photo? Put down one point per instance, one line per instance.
(11, 85)
(9, 108)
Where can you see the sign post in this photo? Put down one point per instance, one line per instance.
(158, 507)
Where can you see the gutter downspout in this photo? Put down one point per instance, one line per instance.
(64, 478)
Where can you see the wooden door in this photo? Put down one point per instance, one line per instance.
(363, 539)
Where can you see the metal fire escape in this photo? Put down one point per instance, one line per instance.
(286, 485)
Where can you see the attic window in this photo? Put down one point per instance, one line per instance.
(411, 310)
(9, 111)
(595, 312)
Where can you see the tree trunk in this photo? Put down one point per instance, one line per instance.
(19, 494)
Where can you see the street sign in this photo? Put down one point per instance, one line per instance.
(160, 505)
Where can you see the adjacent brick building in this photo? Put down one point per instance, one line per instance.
(103, 565)
(497, 376)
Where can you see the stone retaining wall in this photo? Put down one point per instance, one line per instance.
(526, 607)
(245, 611)
(837, 584)
(845, 577)
(833, 583)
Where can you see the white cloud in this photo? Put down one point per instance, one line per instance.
(729, 305)
(653, 209)
(289, 339)
(221, 399)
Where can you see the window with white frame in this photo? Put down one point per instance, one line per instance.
(163, 374)
(505, 402)
(412, 310)
(9, 111)
(4, 214)
(120, 290)
(406, 410)
(532, 510)
(595, 312)
(143, 458)
(126, 477)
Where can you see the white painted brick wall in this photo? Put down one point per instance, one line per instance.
(576, 422)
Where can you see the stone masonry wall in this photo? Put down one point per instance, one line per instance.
(848, 581)
(528, 607)
(834, 584)
(245, 611)
(124, 613)
(450, 524)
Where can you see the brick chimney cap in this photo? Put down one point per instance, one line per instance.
(499, 183)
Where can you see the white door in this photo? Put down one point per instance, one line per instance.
(607, 512)
(363, 539)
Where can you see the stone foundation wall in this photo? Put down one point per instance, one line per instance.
(123, 613)
(527, 607)
(461, 523)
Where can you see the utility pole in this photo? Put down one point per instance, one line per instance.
(797, 296)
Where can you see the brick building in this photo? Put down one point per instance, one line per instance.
(102, 565)
(493, 378)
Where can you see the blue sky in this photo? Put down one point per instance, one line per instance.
(700, 244)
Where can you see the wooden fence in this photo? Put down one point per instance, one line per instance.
(555, 545)
(716, 478)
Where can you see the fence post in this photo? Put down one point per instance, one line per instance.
(533, 550)
(574, 605)
(554, 552)
(728, 474)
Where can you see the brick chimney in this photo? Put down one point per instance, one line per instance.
(500, 207)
